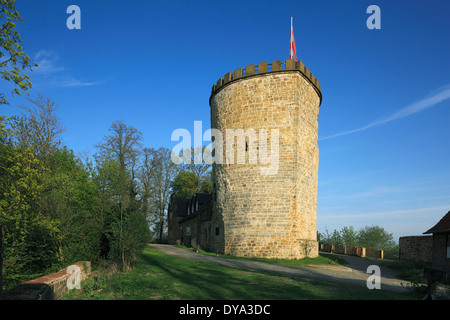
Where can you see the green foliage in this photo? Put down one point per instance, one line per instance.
(349, 236)
(185, 184)
(70, 198)
(127, 238)
(29, 232)
(370, 237)
(375, 237)
(56, 210)
(13, 60)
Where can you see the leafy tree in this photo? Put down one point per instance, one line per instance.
(13, 61)
(206, 184)
(349, 236)
(336, 238)
(120, 151)
(370, 237)
(71, 199)
(185, 185)
(29, 244)
(375, 237)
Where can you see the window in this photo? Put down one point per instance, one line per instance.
(217, 231)
(188, 231)
(196, 206)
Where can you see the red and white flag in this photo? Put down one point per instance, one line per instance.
(293, 51)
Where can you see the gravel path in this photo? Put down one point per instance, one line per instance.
(353, 273)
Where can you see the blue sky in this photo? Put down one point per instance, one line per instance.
(383, 124)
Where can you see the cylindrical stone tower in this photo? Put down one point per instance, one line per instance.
(265, 180)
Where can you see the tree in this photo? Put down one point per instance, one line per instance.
(193, 177)
(121, 149)
(336, 238)
(370, 237)
(349, 236)
(375, 237)
(29, 243)
(164, 173)
(125, 143)
(185, 185)
(13, 61)
(199, 169)
(40, 130)
(71, 199)
(146, 174)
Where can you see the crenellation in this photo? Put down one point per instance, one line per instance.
(237, 74)
(276, 65)
(264, 67)
(250, 70)
(227, 77)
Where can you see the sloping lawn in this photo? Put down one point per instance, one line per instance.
(159, 276)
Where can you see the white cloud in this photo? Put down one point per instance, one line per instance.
(55, 73)
(402, 113)
(72, 82)
(47, 62)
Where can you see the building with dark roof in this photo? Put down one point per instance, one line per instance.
(441, 244)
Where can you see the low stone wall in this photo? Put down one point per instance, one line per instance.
(48, 287)
(351, 250)
(416, 248)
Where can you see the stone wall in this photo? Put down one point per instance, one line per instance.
(48, 287)
(440, 255)
(352, 250)
(199, 226)
(269, 215)
(174, 231)
(416, 248)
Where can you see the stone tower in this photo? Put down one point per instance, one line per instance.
(265, 189)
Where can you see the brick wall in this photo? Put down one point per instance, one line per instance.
(48, 287)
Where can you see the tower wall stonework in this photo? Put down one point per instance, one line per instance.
(267, 215)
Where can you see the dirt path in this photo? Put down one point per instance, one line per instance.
(353, 273)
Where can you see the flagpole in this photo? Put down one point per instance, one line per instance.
(292, 51)
(290, 45)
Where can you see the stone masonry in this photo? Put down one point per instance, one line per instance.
(267, 215)
(416, 248)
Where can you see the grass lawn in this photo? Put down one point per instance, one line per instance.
(323, 258)
(159, 276)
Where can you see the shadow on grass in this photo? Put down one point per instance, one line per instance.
(204, 280)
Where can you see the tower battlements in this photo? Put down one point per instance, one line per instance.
(264, 68)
